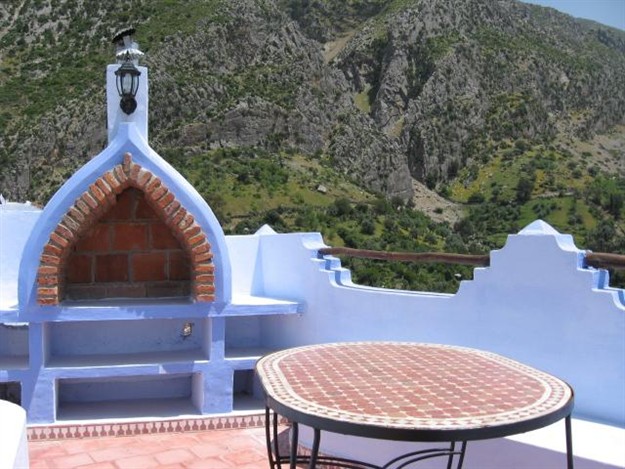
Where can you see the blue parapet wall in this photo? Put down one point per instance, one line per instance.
(536, 303)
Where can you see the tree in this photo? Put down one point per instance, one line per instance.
(524, 189)
(615, 204)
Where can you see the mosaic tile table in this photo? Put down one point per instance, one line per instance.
(406, 391)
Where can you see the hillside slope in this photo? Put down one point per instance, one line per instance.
(418, 89)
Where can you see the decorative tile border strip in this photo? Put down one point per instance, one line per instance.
(95, 430)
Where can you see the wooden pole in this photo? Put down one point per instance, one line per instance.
(442, 257)
(600, 260)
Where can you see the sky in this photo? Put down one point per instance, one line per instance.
(610, 12)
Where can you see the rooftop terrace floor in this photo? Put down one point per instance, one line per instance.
(595, 447)
(213, 449)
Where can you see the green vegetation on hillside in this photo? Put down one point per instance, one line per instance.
(250, 187)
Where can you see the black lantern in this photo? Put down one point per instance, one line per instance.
(127, 85)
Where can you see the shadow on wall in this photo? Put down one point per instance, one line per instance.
(11, 391)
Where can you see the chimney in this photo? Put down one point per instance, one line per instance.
(127, 55)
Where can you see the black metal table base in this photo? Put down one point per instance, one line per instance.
(404, 461)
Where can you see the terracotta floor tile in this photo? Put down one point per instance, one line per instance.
(174, 456)
(46, 450)
(74, 460)
(99, 465)
(136, 462)
(211, 449)
(210, 463)
(39, 464)
(206, 450)
(84, 445)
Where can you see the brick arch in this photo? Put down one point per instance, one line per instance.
(96, 202)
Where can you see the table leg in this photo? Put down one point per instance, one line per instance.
(463, 449)
(314, 451)
(450, 461)
(569, 442)
(294, 444)
(272, 463)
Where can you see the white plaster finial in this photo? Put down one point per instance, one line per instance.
(539, 227)
(265, 230)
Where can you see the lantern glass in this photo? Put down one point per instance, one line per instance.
(127, 79)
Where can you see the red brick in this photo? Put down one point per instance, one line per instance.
(77, 215)
(204, 267)
(162, 237)
(107, 191)
(122, 210)
(112, 181)
(71, 224)
(148, 266)
(191, 231)
(60, 240)
(48, 291)
(144, 210)
(205, 278)
(68, 234)
(47, 300)
(179, 266)
(53, 250)
(50, 259)
(171, 208)
(47, 280)
(204, 298)
(111, 268)
(130, 236)
(200, 249)
(97, 193)
(152, 185)
(97, 239)
(121, 175)
(165, 200)
(158, 193)
(174, 218)
(186, 222)
(48, 270)
(134, 172)
(200, 289)
(197, 239)
(80, 268)
(83, 207)
(88, 199)
(143, 179)
(198, 258)
(103, 186)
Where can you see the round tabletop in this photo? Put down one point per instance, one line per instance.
(411, 391)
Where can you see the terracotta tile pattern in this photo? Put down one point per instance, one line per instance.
(409, 385)
(148, 427)
(106, 199)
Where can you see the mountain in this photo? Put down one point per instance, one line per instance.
(486, 114)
